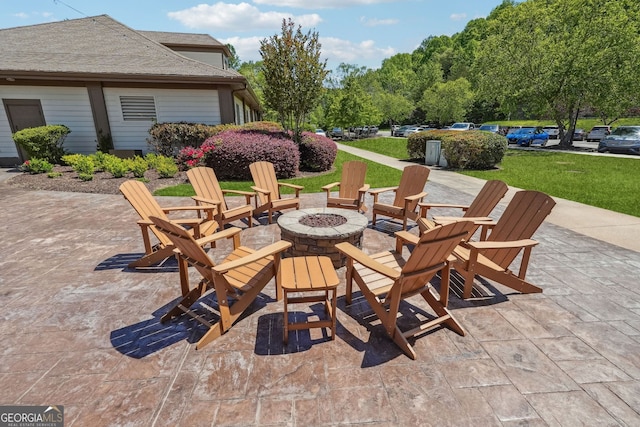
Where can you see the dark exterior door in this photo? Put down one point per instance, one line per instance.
(22, 114)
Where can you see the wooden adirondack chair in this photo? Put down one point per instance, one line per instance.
(268, 188)
(141, 199)
(208, 192)
(352, 187)
(409, 193)
(486, 199)
(240, 277)
(386, 279)
(510, 236)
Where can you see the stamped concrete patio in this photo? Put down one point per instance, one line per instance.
(81, 330)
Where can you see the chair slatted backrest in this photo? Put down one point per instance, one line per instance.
(352, 179)
(205, 184)
(139, 196)
(431, 253)
(264, 176)
(487, 199)
(520, 220)
(412, 182)
(189, 248)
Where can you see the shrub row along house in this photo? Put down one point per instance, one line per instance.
(106, 81)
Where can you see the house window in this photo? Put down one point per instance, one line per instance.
(138, 107)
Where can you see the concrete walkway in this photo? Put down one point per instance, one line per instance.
(82, 330)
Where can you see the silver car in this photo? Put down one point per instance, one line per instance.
(598, 132)
(625, 139)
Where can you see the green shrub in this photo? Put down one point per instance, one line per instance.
(71, 159)
(36, 166)
(138, 166)
(462, 150)
(54, 174)
(98, 159)
(153, 159)
(85, 168)
(166, 167)
(43, 142)
(116, 166)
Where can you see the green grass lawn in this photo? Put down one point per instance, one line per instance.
(607, 182)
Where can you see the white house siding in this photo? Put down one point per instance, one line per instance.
(172, 105)
(61, 105)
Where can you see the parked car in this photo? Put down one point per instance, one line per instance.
(416, 129)
(321, 132)
(410, 130)
(528, 136)
(462, 126)
(552, 130)
(336, 133)
(490, 128)
(401, 129)
(598, 132)
(579, 134)
(625, 139)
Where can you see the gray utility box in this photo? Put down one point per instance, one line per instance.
(432, 153)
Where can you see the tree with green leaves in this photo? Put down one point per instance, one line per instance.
(554, 58)
(447, 102)
(234, 59)
(293, 75)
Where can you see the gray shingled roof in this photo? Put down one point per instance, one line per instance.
(190, 39)
(102, 46)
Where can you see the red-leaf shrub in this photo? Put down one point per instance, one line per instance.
(235, 150)
(317, 152)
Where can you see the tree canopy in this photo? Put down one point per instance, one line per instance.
(293, 75)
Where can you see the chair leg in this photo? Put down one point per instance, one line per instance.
(153, 258)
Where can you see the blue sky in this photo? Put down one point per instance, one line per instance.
(358, 32)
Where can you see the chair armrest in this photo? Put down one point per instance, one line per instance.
(224, 234)
(330, 186)
(415, 197)
(408, 238)
(187, 208)
(478, 220)
(260, 190)
(272, 249)
(217, 203)
(364, 188)
(239, 192)
(382, 190)
(502, 244)
(294, 186)
(357, 255)
(443, 205)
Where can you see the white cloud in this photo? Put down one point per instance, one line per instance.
(21, 15)
(333, 49)
(375, 22)
(237, 17)
(247, 48)
(340, 50)
(320, 4)
(458, 16)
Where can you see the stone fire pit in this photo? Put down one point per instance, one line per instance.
(317, 231)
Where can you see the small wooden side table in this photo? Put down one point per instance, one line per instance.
(309, 274)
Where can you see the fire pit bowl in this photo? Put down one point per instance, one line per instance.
(317, 231)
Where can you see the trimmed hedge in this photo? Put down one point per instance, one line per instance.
(231, 152)
(43, 142)
(462, 150)
(317, 152)
(167, 138)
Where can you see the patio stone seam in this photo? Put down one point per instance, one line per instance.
(177, 371)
